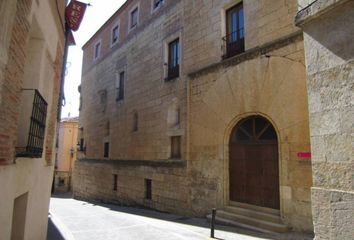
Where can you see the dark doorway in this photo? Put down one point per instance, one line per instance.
(253, 163)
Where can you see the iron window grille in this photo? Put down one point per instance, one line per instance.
(36, 132)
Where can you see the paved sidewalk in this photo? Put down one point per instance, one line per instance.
(82, 220)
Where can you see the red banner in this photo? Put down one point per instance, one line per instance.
(74, 13)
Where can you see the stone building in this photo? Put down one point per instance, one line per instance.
(328, 31)
(31, 52)
(66, 154)
(189, 105)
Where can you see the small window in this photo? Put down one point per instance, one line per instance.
(97, 50)
(120, 86)
(115, 34)
(148, 189)
(106, 150)
(81, 145)
(176, 147)
(157, 4)
(134, 17)
(173, 59)
(135, 122)
(115, 182)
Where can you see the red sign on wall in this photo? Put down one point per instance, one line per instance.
(74, 13)
(304, 154)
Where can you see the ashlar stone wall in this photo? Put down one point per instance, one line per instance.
(269, 80)
(146, 92)
(328, 30)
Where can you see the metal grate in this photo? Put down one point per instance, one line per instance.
(233, 43)
(34, 147)
(173, 72)
(37, 127)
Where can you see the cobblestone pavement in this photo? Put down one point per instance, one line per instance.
(72, 219)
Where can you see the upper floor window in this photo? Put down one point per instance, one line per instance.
(134, 17)
(176, 147)
(120, 86)
(135, 121)
(234, 38)
(106, 150)
(97, 50)
(115, 34)
(173, 59)
(157, 4)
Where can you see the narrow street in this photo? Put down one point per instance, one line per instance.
(72, 219)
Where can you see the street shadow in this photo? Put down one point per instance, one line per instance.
(192, 221)
(53, 233)
(64, 195)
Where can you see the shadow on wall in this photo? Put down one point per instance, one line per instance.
(338, 40)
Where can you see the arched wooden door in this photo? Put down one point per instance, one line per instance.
(253, 163)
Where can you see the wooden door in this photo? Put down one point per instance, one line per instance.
(253, 165)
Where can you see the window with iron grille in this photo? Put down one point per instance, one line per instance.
(235, 39)
(36, 132)
(173, 59)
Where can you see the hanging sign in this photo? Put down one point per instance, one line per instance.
(74, 14)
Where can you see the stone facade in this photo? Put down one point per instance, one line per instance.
(66, 154)
(31, 51)
(210, 97)
(328, 30)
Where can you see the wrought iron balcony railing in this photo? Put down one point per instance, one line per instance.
(173, 72)
(233, 43)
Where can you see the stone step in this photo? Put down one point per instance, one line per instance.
(254, 207)
(270, 217)
(223, 217)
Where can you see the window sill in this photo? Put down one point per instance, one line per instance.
(132, 28)
(113, 44)
(171, 79)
